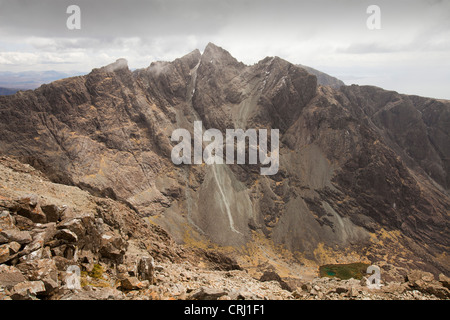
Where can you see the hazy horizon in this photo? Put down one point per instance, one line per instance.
(409, 54)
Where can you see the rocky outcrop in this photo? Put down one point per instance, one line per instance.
(107, 242)
(117, 255)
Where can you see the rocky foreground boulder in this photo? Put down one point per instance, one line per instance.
(49, 232)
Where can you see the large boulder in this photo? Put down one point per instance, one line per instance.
(444, 280)
(22, 237)
(9, 251)
(52, 212)
(133, 283)
(10, 276)
(44, 270)
(6, 221)
(98, 294)
(416, 275)
(425, 283)
(146, 269)
(206, 293)
(112, 247)
(30, 208)
(67, 235)
(273, 276)
(27, 290)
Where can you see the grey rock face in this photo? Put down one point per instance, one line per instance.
(357, 164)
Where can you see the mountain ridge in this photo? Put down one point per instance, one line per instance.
(358, 164)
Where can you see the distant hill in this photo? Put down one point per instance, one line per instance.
(30, 79)
(7, 91)
(323, 78)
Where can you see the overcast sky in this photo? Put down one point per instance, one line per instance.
(410, 54)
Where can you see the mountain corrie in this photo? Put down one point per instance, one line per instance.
(213, 153)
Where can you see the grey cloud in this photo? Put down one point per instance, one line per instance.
(323, 34)
(367, 48)
(175, 17)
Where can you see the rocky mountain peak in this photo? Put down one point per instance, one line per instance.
(363, 172)
(218, 56)
(119, 64)
(193, 57)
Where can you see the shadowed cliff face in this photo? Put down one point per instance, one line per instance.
(361, 169)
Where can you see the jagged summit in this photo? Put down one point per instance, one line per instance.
(117, 65)
(195, 54)
(219, 57)
(223, 58)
